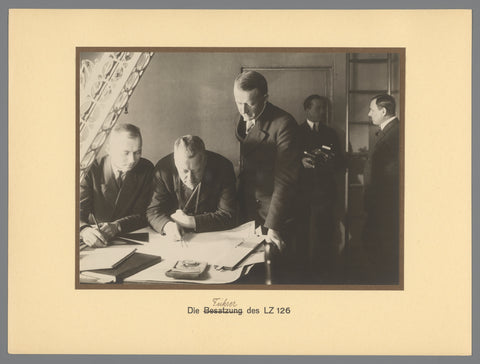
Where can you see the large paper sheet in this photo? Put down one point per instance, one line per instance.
(214, 248)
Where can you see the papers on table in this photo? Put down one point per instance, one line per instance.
(219, 249)
(231, 236)
(235, 254)
(156, 274)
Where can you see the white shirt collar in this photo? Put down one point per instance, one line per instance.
(311, 124)
(385, 123)
(116, 171)
(254, 121)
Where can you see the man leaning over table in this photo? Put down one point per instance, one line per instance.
(270, 159)
(116, 191)
(193, 190)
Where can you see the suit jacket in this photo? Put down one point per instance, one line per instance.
(382, 182)
(216, 206)
(269, 166)
(100, 195)
(317, 185)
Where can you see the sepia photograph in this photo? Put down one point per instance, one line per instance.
(240, 168)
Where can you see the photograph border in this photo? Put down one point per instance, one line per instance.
(235, 286)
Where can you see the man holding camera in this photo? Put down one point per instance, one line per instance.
(322, 158)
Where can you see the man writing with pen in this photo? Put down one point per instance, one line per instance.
(116, 191)
(193, 190)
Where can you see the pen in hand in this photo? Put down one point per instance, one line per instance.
(98, 228)
(196, 190)
(181, 230)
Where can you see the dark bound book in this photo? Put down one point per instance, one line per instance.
(134, 264)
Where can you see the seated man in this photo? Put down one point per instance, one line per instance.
(192, 189)
(116, 191)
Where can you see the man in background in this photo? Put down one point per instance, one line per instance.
(381, 231)
(322, 159)
(116, 191)
(269, 159)
(194, 190)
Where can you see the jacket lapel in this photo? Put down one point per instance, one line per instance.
(177, 187)
(126, 192)
(259, 132)
(391, 125)
(208, 180)
(109, 185)
(382, 133)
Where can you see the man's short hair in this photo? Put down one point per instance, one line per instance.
(191, 144)
(132, 130)
(386, 101)
(251, 80)
(307, 104)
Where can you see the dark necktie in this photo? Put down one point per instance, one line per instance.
(121, 174)
(249, 126)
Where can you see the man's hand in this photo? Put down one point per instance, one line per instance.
(109, 229)
(184, 220)
(273, 236)
(173, 230)
(93, 238)
(308, 162)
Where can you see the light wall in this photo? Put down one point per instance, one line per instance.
(191, 93)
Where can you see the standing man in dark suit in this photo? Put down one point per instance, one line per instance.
(116, 191)
(381, 231)
(269, 159)
(322, 158)
(194, 189)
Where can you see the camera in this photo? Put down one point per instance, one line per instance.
(321, 156)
